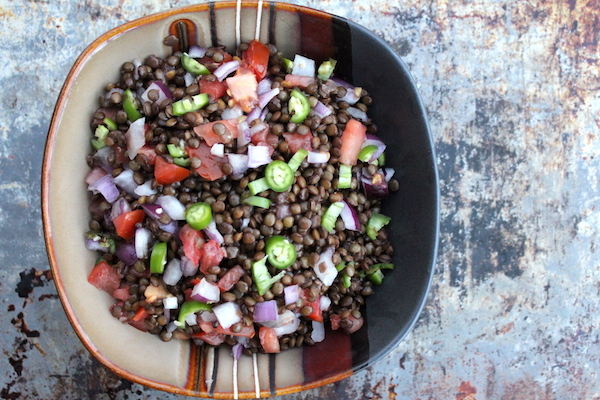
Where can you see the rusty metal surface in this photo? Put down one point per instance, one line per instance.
(512, 91)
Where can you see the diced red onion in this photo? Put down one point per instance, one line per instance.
(350, 217)
(318, 332)
(236, 350)
(172, 206)
(105, 186)
(283, 210)
(192, 319)
(266, 97)
(321, 110)
(318, 157)
(303, 66)
(188, 79)
(245, 223)
(341, 82)
(228, 314)
(94, 245)
(254, 114)
(187, 267)
(264, 85)
(357, 113)
(125, 181)
(225, 69)
(172, 326)
(172, 273)
(170, 303)
(113, 90)
(218, 149)
(145, 189)
(325, 303)
(136, 137)
(244, 135)
(389, 173)
(375, 187)
(206, 292)
(329, 86)
(263, 114)
(265, 311)
(352, 93)
(239, 163)
(208, 316)
(102, 157)
(196, 51)
(163, 92)
(172, 227)
(291, 294)
(286, 323)
(94, 175)
(258, 155)
(152, 210)
(258, 128)
(142, 242)
(136, 64)
(126, 253)
(375, 156)
(232, 112)
(213, 233)
(119, 207)
(324, 268)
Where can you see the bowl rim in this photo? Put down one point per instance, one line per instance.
(57, 115)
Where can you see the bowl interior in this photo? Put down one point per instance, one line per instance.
(184, 368)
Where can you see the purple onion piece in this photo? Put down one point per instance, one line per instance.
(321, 110)
(206, 292)
(265, 311)
(389, 173)
(172, 227)
(142, 242)
(163, 92)
(375, 187)
(94, 245)
(318, 157)
(136, 137)
(244, 135)
(357, 114)
(121, 206)
(258, 155)
(125, 181)
(172, 206)
(232, 112)
(105, 186)
(291, 294)
(254, 114)
(264, 85)
(266, 97)
(172, 273)
(101, 156)
(197, 51)
(187, 267)
(238, 162)
(225, 69)
(213, 233)
(126, 253)
(152, 210)
(236, 351)
(318, 332)
(350, 217)
(379, 152)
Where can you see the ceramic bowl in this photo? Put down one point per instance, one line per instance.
(182, 367)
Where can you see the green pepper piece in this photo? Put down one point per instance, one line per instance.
(279, 176)
(345, 178)
(198, 216)
(376, 277)
(158, 258)
(184, 106)
(257, 201)
(191, 307)
(182, 161)
(367, 152)
(261, 277)
(376, 222)
(258, 186)
(346, 280)
(101, 132)
(110, 124)
(192, 66)
(176, 151)
(330, 217)
(299, 106)
(340, 266)
(326, 69)
(130, 107)
(281, 252)
(288, 65)
(98, 144)
(297, 159)
(381, 160)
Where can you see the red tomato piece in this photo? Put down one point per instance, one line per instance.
(297, 141)
(246, 331)
(105, 277)
(231, 277)
(121, 293)
(214, 89)
(316, 314)
(243, 87)
(256, 59)
(125, 223)
(210, 137)
(353, 138)
(211, 165)
(335, 321)
(212, 254)
(206, 326)
(166, 173)
(298, 81)
(141, 314)
(260, 136)
(268, 339)
(149, 153)
(213, 338)
(193, 241)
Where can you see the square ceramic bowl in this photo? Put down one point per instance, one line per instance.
(183, 367)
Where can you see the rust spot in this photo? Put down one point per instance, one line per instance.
(505, 329)
(402, 359)
(21, 325)
(466, 391)
(31, 279)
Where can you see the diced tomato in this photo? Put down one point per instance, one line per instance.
(149, 152)
(94, 175)
(187, 293)
(121, 293)
(193, 241)
(214, 89)
(139, 325)
(268, 339)
(260, 136)
(125, 223)
(297, 141)
(335, 321)
(246, 331)
(206, 326)
(213, 338)
(141, 314)
(210, 168)
(230, 278)
(256, 59)
(298, 81)
(272, 140)
(210, 137)
(105, 277)
(167, 173)
(316, 314)
(353, 138)
(243, 87)
(211, 255)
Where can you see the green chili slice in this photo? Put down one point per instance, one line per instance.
(297, 159)
(198, 216)
(257, 201)
(345, 179)
(281, 252)
(376, 222)
(258, 186)
(299, 106)
(367, 152)
(279, 176)
(184, 106)
(158, 258)
(261, 277)
(130, 107)
(326, 69)
(330, 217)
(192, 66)
(191, 307)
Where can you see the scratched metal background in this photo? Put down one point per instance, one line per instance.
(512, 92)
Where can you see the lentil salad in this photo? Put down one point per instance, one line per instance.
(237, 198)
